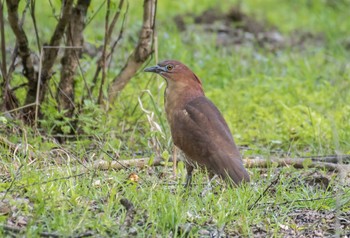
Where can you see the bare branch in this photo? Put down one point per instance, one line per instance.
(115, 20)
(298, 163)
(110, 31)
(115, 43)
(17, 230)
(23, 48)
(103, 61)
(12, 182)
(273, 183)
(3, 43)
(142, 51)
(53, 10)
(122, 164)
(95, 13)
(32, 13)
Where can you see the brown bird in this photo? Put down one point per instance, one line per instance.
(197, 126)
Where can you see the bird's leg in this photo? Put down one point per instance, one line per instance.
(174, 160)
(188, 180)
(208, 187)
(189, 169)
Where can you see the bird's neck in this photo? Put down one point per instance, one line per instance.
(177, 95)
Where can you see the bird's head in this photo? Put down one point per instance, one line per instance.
(176, 73)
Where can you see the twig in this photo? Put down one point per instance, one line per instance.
(110, 54)
(295, 201)
(296, 163)
(108, 31)
(19, 108)
(19, 86)
(9, 144)
(13, 59)
(48, 181)
(115, 43)
(329, 158)
(32, 13)
(84, 234)
(43, 234)
(12, 182)
(53, 10)
(101, 164)
(130, 211)
(3, 45)
(84, 78)
(95, 13)
(13, 148)
(38, 89)
(12, 228)
(265, 191)
(155, 35)
(103, 60)
(126, 164)
(115, 19)
(155, 127)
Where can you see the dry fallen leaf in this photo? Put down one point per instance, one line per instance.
(133, 177)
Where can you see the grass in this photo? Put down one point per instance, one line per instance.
(290, 102)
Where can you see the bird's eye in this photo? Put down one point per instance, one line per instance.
(169, 67)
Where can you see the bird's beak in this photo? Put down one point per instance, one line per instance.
(154, 69)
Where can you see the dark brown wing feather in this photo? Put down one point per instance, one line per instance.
(202, 133)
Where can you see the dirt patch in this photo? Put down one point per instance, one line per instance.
(303, 223)
(310, 223)
(236, 28)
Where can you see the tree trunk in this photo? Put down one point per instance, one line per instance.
(74, 33)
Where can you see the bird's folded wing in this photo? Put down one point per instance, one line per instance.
(205, 114)
(200, 126)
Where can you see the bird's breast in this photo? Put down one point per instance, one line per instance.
(176, 98)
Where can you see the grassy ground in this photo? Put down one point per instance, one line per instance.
(280, 100)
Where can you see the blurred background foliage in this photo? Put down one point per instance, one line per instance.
(283, 88)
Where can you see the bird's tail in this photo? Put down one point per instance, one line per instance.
(235, 171)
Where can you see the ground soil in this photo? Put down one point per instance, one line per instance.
(235, 28)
